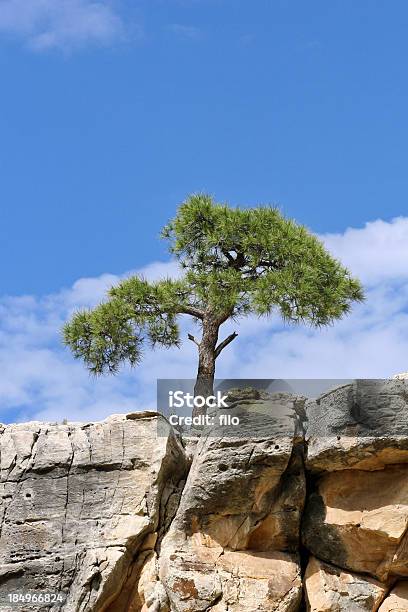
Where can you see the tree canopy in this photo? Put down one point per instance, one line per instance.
(234, 262)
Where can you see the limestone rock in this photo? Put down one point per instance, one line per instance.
(362, 425)
(397, 599)
(359, 520)
(241, 504)
(330, 589)
(78, 502)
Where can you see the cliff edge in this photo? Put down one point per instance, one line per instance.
(303, 507)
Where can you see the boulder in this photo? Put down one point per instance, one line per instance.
(359, 520)
(330, 589)
(79, 502)
(362, 425)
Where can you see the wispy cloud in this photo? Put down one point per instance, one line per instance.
(61, 24)
(39, 379)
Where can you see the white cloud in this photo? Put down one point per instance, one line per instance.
(39, 379)
(376, 253)
(62, 24)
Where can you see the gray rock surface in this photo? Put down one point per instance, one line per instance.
(79, 502)
(362, 425)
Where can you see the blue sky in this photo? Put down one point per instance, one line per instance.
(111, 112)
(298, 103)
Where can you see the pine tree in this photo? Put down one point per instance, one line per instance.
(236, 262)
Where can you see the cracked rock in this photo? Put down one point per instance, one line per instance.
(79, 501)
(232, 545)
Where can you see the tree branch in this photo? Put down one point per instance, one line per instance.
(190, 310)
(191, 337)
(225, 343)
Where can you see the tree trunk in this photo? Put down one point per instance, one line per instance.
(204, 385)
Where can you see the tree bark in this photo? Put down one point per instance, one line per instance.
(208, 351)
(204, 385)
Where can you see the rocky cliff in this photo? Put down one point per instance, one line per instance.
(303, 507)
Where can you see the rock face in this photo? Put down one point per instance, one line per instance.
(117, 517)
(234, 540)
(361, 426)
(330, 588)
(358, 520)
(398, 598)
(82, 505)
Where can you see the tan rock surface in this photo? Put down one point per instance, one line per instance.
(397, 601)
(252, 581)
(330, 589)
(242, 502)
(359, 521)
